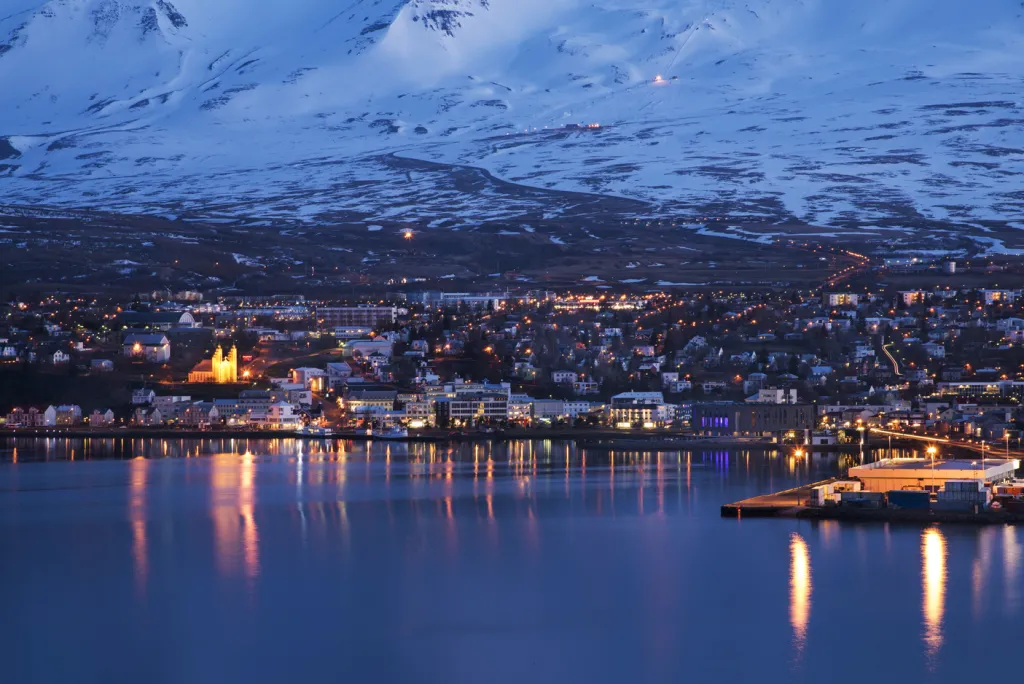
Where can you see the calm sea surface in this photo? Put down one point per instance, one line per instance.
(289, 561)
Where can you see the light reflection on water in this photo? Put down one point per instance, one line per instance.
(138, 485)
(571, 542)
(933, 571)
(799, 591)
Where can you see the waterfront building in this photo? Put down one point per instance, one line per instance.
(922, 473)
(646, 408)
(369, 401)
(753, 420)
(68, 415)
(32, 417)
(470, 408)
(101, 418)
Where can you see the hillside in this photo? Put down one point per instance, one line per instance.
(896, 114)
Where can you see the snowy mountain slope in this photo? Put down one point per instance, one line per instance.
(822, 110)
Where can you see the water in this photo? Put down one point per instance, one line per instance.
(224, 561)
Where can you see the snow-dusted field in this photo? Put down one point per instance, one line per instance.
(830, 112)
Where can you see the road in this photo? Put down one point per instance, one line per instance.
(895, 364)
(991, 450)
(273, 354)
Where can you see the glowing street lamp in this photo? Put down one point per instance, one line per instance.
(931, 451)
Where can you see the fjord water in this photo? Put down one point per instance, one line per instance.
(283, 560)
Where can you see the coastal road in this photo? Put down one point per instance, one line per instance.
(990, 450)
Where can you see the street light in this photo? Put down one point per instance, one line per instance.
(931, 451)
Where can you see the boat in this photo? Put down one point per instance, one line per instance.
(312, 431)
(394, 432)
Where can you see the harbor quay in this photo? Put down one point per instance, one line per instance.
(981, 491)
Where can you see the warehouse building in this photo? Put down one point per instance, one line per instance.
(922, 473)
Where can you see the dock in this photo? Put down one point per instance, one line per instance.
(788, 502)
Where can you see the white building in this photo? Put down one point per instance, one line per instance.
(170, 405)
(314, 379)
(999, 296)
(279, 415)
(774, 395)
(646, 408)
(155, 348)
(563, 377)
(843, 299)
(338, 374)
(143, 396)
(69, 414)
(934, 350)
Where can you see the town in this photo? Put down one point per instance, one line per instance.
(812, 367)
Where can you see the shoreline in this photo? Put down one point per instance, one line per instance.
(590, 439)
(606, 440)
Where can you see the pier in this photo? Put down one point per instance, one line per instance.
(902, 490)
(785, 503)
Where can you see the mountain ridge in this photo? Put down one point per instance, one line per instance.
(896, 110)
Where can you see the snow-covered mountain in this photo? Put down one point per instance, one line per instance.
(828, 111)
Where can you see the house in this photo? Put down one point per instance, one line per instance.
(200, 414)
(146, 416)
(863, 351)
(170, 405)
(584, 387)
(143, 396)
(32, 417)
(60, 357)
(101, 418)
(680, 386)
(338, 374)
(101, 365)
(68, 415)
(754, 382)
(563, 377)
(151, 347)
